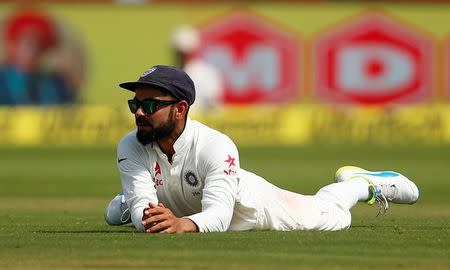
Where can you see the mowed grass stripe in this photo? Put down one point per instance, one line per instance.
(52, 202)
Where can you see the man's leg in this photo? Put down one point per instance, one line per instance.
(356, 184)
(346, 194)
(329, 208)
(117, 212)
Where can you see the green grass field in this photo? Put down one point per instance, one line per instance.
(52, 202)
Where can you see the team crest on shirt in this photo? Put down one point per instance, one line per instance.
(191, 179)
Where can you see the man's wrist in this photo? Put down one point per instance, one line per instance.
(189, 225)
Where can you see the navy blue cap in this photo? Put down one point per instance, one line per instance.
(172, 79)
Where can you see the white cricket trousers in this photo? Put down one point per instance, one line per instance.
(327, 210)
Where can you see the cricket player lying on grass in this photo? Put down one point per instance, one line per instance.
(179, 175)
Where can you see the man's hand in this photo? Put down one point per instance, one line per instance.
(159, 219)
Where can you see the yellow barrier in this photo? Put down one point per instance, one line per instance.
(296, 125)
(304, 124)
(68, 125)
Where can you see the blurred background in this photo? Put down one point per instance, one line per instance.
(302, 87)
(279, 72)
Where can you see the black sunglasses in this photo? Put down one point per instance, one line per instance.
(149, 106)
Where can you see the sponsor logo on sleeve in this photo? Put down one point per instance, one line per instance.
(158, 177)
(231, 166)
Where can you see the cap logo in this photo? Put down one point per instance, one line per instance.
(148, 72)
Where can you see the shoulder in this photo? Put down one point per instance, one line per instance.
(129, 145)
(209, 137)
(129, 140)
(213, 144)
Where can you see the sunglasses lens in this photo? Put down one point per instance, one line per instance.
(148, 106)
(133, 105)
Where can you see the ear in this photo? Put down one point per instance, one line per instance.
(181, 110)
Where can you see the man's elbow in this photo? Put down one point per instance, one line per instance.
(136, 219)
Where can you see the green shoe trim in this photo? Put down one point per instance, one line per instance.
(372, 194)
(372, 189)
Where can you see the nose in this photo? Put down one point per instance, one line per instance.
(140, 112)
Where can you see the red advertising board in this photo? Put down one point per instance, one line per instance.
(446, 71)
(373, 59)
(258, 60)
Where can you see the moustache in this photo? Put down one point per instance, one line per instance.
(140, 121)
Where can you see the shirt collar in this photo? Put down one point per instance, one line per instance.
(186, 136)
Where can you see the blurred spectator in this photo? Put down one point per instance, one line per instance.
(29, 38)
(207, 79)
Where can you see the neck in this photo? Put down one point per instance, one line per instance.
(166, 144)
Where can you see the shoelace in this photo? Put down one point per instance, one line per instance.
(125, 217)
(383, 194)
(383, 204)
(389, 191)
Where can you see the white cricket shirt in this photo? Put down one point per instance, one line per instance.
(204, 181)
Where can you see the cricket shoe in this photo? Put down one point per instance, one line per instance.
(384, 186)
(117, 212)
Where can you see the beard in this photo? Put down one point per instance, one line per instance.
(156, 133)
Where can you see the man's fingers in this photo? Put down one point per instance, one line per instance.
(160, 226)
(148, 224)
(157, 211)
(153, 205)
(154, 211)
(146, 211)
(155, 219)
